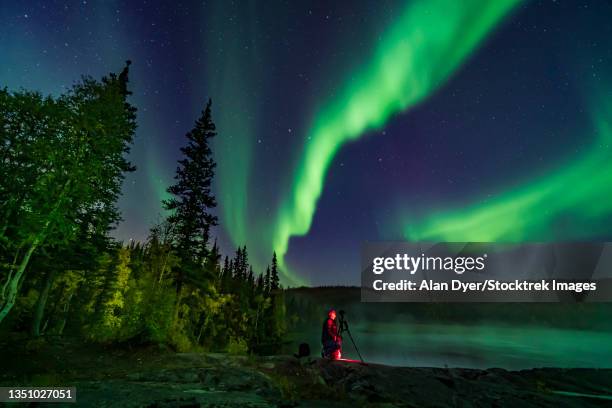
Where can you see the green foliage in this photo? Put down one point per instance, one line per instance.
(237, 345)
(158, 320)
(63, 160)
(131, 303)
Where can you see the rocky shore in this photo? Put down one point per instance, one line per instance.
(148, 378)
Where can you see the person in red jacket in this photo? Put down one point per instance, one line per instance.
(330, 337)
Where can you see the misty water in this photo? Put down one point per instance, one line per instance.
(472, 346)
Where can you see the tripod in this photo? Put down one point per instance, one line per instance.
(344, 327)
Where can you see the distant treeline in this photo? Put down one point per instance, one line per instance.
(308, 304)
(62, 162)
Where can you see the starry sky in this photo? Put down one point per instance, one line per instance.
(350, 121)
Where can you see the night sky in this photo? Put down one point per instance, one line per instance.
(345, 122)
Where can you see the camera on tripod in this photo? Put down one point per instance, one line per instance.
(343, 326)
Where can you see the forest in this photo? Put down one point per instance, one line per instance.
(63, 161)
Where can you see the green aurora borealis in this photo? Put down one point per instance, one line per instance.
(339, 125)
(580, 189)
(417, 54)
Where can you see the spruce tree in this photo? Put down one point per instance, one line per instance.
(259, 284)
(192, 197)
(224, 271)
(251, 279)
(238, 265)
(267, 280)
(274, 280)
(211, 263)
(228, 278)
(241, 264)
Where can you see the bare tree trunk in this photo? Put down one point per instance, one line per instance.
(15, 281)
(164, 244)
(10, 275)
(163, 268)
(204, 324)
(39, 311)
(177, 306)
(13, 284)
(65, 315)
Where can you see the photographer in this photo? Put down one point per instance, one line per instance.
(330, 337)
